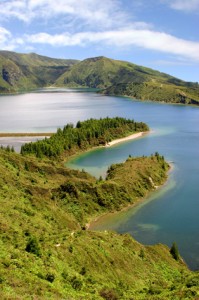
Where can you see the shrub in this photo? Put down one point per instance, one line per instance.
(76, 283)
(174, 251)
(33, 246)
(50, 277)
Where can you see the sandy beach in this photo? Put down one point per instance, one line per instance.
(127, 138)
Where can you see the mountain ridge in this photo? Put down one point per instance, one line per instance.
(22, 72)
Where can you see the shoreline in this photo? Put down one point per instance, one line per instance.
(26, 134)
(139, 201)
(132, 136)
(127, 138)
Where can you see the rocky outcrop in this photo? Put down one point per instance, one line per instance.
(11, 74)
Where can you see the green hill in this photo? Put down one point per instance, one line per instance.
(20, 72)
(46, 251)
(102, 72)
(124, 78)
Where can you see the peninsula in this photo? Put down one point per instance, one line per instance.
(46, 251)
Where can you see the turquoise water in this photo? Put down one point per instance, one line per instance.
(172, 213)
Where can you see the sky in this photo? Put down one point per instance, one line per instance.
(159, 34)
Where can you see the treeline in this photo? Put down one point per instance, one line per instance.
(84, 135)
(7, 148)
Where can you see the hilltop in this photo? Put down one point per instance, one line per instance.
(22, 72)
(46, 251)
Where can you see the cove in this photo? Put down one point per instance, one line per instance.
(172, 213)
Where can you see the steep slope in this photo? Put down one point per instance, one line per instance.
(26, 71)
(45, 253)
(124, 78)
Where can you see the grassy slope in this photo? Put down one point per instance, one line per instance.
(26, 71)
(44, 200)
(156, 91)
(124, 78)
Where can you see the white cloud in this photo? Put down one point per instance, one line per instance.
(184, 5)
(171, 63)
(103, 13)
(7, 42)
(5, 35)
(97, 22)
(142, 38)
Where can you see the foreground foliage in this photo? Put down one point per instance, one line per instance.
(45, 251)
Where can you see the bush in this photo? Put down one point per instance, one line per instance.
(50, 277)
(33, 246)
(174, 251)
(76, 283)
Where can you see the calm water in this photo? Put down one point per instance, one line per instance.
(171, 213)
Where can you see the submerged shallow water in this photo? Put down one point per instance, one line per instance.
(171, 213)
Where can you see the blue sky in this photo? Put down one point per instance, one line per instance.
(160, 34)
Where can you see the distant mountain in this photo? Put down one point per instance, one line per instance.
(20, 72)
(124, 78)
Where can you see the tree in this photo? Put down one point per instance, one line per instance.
(174, 251)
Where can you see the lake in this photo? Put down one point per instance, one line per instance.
(171, 213)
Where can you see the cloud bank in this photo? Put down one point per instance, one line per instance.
(90, 22)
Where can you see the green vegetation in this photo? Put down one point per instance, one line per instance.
(157, 91)
(102, 72)
(124, 78)
(45, 251)
(85, 135)
(22, 72)
(174, 251)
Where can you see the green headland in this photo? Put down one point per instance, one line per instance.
(46, 251)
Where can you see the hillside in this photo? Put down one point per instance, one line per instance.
(124, 78)
(102, 72)
(20, 72)
(46, 251)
